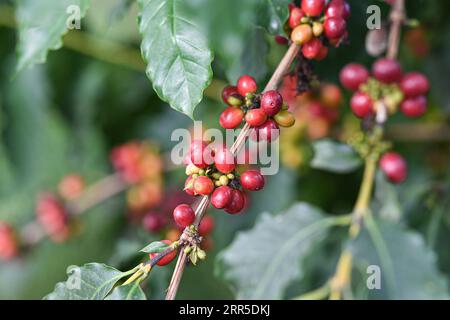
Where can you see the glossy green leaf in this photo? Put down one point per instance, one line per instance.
(408, 267)
(41, 25)
(334, 157)
(93, 281)
(155, 247)
(178, 56)
(261, 262)
(273, 14)
(132, 291)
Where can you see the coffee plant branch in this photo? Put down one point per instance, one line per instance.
(342, 277)
(203, 204)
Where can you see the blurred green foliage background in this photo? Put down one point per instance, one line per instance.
(66, 115)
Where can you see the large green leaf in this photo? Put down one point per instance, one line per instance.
(132, 291)
(93, 281)
(334, 157)
(386, 200)
(41, 24)
(178, 56)
(273, 14)
(261, 262)
(408, 266)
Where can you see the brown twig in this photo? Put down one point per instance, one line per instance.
(203, 203)
(397, 17)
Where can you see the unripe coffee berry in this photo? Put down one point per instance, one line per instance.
(414, 107)
(236, 203)
(246, 84)
(255, 117)
(387, 70)
(168, 258)
(285, 119)
(353, 75)
(221, 197)
(301, 34)
(252, 180)
(224, 160)
(203, 185)
(414, 84)
(313, 7)
(271, 102)
(317, 29)
(394, 167)
(361, 104)
(183, 215)
(231, 118)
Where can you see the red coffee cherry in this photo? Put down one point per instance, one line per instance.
(252, 180)
(246, 84)
(52, 216)
(361, 104)
(269, 131)
(8, 242)
(414, 84)
(322, 54)
(189, 186)
(71, 186)
(394, 167)
(168, 258)
(295, 17)
(224, 160)
(271, 102)
(203, 186)
(153, 221)
(337, 9)
(313, 7)
(231, 118)
(312, 48)
(227, 92)
(387, 70)
(201, 153)
(237, 202)
(221, 197)
(353, 75)
(414, 107)
(281, 40)
(183, 215)
(255, 117)
(334, 28)
(206, 226)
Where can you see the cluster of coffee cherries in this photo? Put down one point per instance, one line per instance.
(387, 87)
(264, 113)
(51, 208)
(316, 113)
(139, 164)
(51, 214)
(316, 24)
